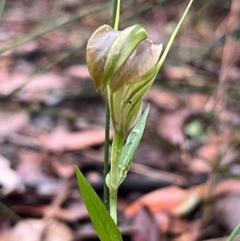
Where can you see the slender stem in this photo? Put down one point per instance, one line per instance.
(106, 157)
(117, 146)
(116, 14)
(115, 23)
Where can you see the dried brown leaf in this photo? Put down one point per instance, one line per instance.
(61, 140)
(147, 232)
(12, 121)
(164, 99)
(170, 126)
(31, 230)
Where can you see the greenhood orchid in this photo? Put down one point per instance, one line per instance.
(123, 62)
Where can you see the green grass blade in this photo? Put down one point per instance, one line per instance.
(162, 59)
(234, 233)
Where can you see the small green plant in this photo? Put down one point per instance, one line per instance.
(123, 64)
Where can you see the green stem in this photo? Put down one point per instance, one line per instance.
(113, 203)
(115, 23)
(117, 146)
(106, 157)
(116, 14)
(234, 233)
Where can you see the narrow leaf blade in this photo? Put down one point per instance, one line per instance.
(103, 223)
(170, 42)
(131, 145)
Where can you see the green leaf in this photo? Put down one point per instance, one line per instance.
(103, 223)
(131, 145)
(122, 48)
(234, 233)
